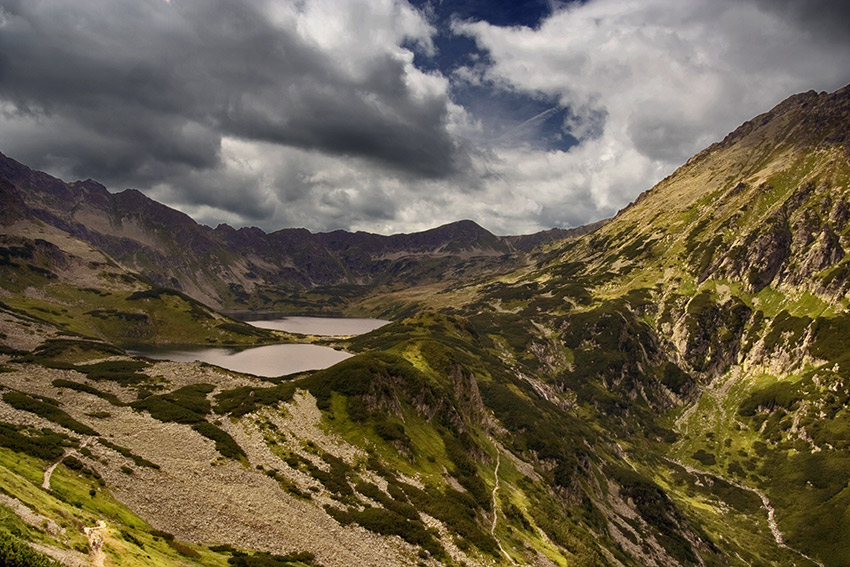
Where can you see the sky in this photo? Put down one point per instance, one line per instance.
(393, 116)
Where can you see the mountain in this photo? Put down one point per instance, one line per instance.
(668, 389)
(706, 326)
(248, 269)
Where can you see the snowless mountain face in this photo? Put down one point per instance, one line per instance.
(247, 268)
(670, 388)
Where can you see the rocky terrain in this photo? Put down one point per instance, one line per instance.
(667, 388)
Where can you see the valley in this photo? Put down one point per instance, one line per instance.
(669, 387)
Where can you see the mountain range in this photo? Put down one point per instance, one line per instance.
(247, 268)
(665, 388)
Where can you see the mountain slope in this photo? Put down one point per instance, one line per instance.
(247, 268)
(716, 305)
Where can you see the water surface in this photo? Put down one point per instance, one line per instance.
(276, 360)
(324, 326)
(267, 361)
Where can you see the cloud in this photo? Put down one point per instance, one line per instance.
(165, 82)
(651, 82)
(335, 114)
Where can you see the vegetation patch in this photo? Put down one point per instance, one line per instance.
(124, 451)
(125, 372)
(779, 394)
(53, 350)
(242, 401)
(42, 444)
(263, 559)
(47, 409)
(15, 552)
(224, 443)
(80, 387)
(387, 522)
(188, 404)
(124, 315)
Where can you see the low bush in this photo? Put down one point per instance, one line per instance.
(387, 522)
(139, 461)
(183, 549)
(47, 410)
(44, 444)
(263, 559)
(15, 552)
(704, 457)
(71, 385)
(247, 399)
(779, 394)
(224, 443)
(188, 404)
(121, 371)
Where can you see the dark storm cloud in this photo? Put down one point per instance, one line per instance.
(825, 19)
(138, 91)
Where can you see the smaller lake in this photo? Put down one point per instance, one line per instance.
(324, 326)
(267, 361)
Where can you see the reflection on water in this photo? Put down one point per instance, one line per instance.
(325, 326)
(276, 360)
(267, 361)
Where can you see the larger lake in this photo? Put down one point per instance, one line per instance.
(275, 360)
(267, 361)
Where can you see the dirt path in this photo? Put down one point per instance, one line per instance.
(496, 506)
(95, 536)
(765, 502)
(48, 472)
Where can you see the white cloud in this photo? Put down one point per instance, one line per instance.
(649, 83)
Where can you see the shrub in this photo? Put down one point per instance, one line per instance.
(121, 371)
(44, 444)
(184, 405)
(224, 443)
(779, 394)
(705, 458)
(247, 399)
(183, 549)
(47, 410)
(71, 385)
(15, 552)
(263, 559)
(139, 461)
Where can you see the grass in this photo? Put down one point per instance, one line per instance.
(14, 552)
(130, 541)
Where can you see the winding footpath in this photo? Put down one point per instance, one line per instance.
(48, 472)
(94, 534)
(765, 502)
(496, 506)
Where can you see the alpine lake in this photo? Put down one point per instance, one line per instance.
(276, 360)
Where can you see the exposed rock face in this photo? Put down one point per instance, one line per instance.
(710, 334)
